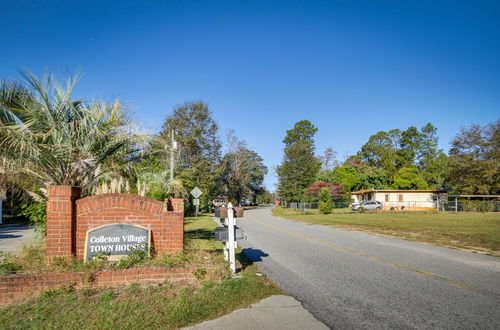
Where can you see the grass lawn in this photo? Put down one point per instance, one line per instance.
(165, 306)
(479, 232)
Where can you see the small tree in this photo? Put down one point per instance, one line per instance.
(314, 191)
(325, 200)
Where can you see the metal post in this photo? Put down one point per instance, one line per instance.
(456, 204)
(230, 227)
(1, 214)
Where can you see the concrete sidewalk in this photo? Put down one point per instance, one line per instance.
(275, 312)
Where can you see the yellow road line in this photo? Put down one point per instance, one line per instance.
(365, 255)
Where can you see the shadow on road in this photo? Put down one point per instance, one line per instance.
(254, 255)
(9, 236)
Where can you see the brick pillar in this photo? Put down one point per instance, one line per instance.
(178, 205)
(61, 221)
(174, 205)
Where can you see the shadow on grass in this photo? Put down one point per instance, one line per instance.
(200, 234)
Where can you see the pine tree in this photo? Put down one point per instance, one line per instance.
(299, 167)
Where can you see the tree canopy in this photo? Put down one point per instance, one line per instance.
(47, 137)
(474, 163)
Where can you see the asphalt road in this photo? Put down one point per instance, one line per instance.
(13, 237)
(354, 280)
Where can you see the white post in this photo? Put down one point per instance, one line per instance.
(226, 255)
(456, 204)
(230, 228)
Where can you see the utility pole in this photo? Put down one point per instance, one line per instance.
(173, 146)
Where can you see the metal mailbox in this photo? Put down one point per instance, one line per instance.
(222, 234)
(238, 211)
(221, 212)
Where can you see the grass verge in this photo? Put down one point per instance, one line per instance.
(479, 232)
(165, 306)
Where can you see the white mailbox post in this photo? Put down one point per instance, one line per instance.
(231, 245)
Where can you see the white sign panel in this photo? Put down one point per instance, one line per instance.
(196, 192)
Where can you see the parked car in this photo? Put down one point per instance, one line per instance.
(368, 206)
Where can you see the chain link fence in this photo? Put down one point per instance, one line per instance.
(312, 206)
(466, 205)
(450, 204)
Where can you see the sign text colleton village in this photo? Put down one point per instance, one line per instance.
(116, 240)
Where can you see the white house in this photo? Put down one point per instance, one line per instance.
(401, 199)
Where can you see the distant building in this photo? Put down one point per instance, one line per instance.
(401, 199)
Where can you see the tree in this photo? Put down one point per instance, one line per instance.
(381, 150)
(409, 142)
(388, 152)
(242, 172)
(49, 138)
(356, 175)
(329, 160)
(474, 160)
(428, 145)
(199, 148)
(265, 197)
(409, 178)
(348, 176)
(315, 190)
(302, 131)
(299, 167)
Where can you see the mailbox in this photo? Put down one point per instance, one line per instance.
(222, 234)
(221, 212)
(238, 211)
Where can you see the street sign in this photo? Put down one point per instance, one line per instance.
(196, 192)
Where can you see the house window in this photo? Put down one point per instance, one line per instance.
(400, 197)
(386, 197)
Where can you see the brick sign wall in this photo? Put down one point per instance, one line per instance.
(18, 286)
(69, 218)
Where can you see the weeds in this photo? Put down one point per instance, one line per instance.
(8, 264)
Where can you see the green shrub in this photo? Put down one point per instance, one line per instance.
(37, 215)
(325, 200)
(325, 207)
(134, 258)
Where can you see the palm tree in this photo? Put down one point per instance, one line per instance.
(52, 139)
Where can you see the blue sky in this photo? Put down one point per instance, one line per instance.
(351, 67)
